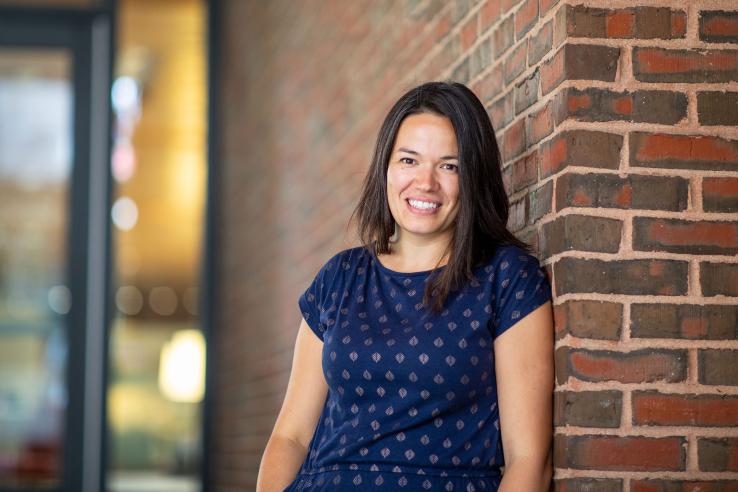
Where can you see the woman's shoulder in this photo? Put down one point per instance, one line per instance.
(345, 259)
(506, 262)
(506, 255)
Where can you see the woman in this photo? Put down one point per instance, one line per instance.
(428, 350)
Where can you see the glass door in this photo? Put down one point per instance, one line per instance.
(46, 266)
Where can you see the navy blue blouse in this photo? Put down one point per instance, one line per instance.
(412, 399)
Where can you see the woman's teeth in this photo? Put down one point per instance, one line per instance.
(423, 205)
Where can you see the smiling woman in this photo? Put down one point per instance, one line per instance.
(406, 372)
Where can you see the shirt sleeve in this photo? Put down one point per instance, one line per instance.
(313, 301)
(521, 286)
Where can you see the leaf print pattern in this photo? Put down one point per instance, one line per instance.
(412, 403)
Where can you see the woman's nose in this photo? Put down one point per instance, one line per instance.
(425, 178)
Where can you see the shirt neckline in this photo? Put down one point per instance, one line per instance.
(395, 273)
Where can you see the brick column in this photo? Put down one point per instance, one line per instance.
(642, 239)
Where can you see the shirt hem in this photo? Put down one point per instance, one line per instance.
(415, 470)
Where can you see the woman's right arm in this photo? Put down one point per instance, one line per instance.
(303, 403)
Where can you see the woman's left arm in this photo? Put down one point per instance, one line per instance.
(524, 364)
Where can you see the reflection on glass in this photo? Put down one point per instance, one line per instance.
(158, 164)
(35, 166)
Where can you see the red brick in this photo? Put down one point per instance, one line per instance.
(588, 485)
(718, 26)
(588, 408)
(654, 408)
(664, 107)
(638, 366)
(525, 171)
(490, 85)
(660, 23)
(507, 5)
(718, 108)
(632, 192)
(526, 92)
(589, 319)
(546, 5)
(614, 453)
(489, 13)
(718, 367)
(641, 22)
(580, 62)
(720, 194)
(468, 33)
(540, 43)
(683, 151)
(503, 37)
(697, 237)
(629, 277)
(518, 217)
(620, 24)
(659, 485)
(718, 455)
(540, 124)
(540, 201)
(719, 279)
(580, 148)
(575, 232)
(515, 62)
(525, 17)
(501, 113)
(553, 72)
(514, 140)
(685, 321)
(691, 66)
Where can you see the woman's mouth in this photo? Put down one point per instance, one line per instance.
(422, 207)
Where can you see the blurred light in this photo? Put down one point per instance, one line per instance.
(129, 300)
(163, 300)
(125, 95)
(190, 300)
(124, 213)
(182, 367)
(60, 299)
(123, 161)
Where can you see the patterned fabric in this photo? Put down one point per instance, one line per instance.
(412, 400)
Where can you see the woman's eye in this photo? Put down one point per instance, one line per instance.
(406, 160)
(450, 167)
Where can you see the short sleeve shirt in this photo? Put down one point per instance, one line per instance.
(412, 398)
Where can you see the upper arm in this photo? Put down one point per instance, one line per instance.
(306, 390)
(524, 367)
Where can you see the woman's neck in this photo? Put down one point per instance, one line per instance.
(410, 255)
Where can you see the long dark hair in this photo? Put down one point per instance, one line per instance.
(481, 224)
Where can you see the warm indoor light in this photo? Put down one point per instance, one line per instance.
(182, 367)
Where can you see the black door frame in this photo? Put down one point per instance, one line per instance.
(87, 35)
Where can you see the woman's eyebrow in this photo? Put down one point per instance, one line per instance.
(410, 151)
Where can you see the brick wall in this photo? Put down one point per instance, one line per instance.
(617, 126)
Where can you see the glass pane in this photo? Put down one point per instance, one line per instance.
(35, 167)
(158, 164)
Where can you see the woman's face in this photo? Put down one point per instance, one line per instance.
(423, 177)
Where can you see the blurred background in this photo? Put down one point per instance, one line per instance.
(103, 177)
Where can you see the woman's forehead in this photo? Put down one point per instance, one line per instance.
(426, 133)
